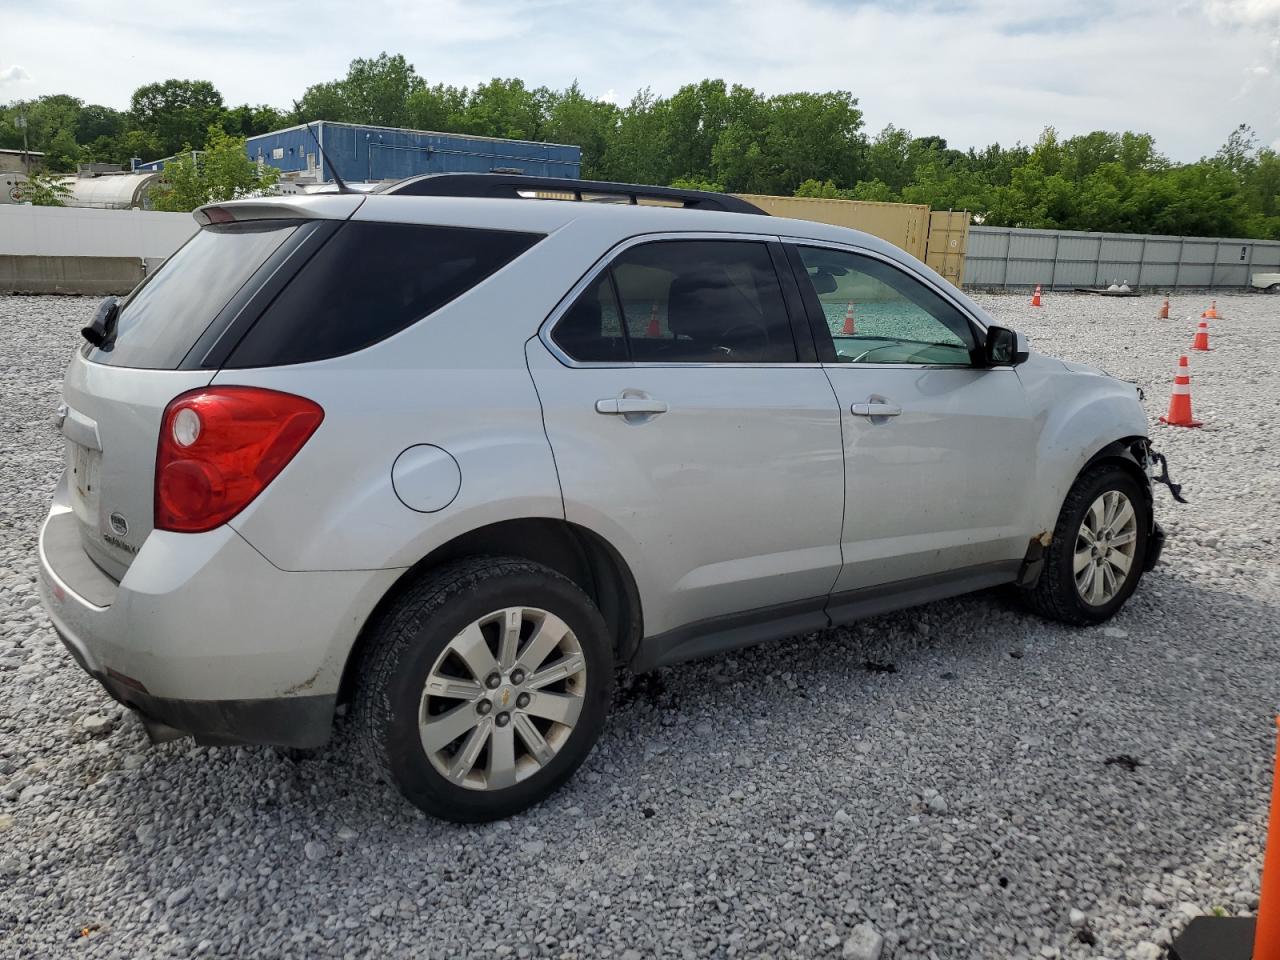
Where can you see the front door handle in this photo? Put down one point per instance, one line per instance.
(626, 406)
(875, 409)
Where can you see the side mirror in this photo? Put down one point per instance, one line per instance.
(1005, 347)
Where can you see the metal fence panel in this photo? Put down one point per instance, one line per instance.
(1003, 257)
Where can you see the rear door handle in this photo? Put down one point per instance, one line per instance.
(880, 409)
(624, 406)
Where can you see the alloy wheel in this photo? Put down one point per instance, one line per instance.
(1105, 547)
(502, 698)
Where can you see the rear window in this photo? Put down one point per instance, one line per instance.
(166, 315)
(369, 281)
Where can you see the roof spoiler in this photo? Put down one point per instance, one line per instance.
(513, 186)
(311, 207)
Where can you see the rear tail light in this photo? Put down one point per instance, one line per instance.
(220, 447)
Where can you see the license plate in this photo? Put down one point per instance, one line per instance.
(84, 480)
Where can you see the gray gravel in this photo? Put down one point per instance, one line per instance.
(1009, 789)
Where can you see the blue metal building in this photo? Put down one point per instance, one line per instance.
(362, 153)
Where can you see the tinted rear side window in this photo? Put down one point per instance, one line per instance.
(682, 301)
(166, 314)
(370, 281)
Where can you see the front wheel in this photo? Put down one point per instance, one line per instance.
(484, 688)
(1099, 545)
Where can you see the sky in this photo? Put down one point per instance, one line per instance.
(971, 71)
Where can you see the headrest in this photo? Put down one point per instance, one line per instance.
(703, 309)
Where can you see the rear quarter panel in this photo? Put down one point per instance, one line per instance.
(458, 380)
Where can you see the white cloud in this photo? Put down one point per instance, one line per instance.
(1243, 12)
(13, 74)
(609, 96)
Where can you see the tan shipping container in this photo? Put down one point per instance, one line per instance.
(905, 225)
(909, 226)
(948, 240)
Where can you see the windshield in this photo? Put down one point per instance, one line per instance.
(168, 312)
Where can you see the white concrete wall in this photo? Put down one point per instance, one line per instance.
(83, 232)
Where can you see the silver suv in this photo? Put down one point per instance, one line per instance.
(452, 452)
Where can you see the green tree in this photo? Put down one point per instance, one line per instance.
(889, 157)
(822, 190)
(710, 185)
(630, 155)
(576, 119)
(50, 124)
(504, 108)
(1263, 184)
(250, 121)
(94, 122)
(322, 101)
(876, 190)
(696, 116)
(121, 149)
(222, 172)
(176, 113)
(375, 90)
(62, 153)
(1237, 153)
(436, 107)
(45, 190)
(789, 138)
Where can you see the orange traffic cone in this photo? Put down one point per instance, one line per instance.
(850, 328)
(1035, 297)
(1164, 310)
(1212, 312)
(654, 330)
(1230, 938)
(1266, 936)
(1179, 414)
(1201, 341)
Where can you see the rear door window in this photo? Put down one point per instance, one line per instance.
(167, 314)
(369, 281)
(682, 301)
(591, 330)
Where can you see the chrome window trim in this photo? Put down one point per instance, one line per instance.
(607, 259)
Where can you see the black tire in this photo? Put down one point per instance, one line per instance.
(407, 640)
(1055, 595)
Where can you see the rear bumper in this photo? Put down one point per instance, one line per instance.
(281, 721)
(203, 636)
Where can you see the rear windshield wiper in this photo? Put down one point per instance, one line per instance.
(103, 325)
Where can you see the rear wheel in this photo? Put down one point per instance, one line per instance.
(1095, 559)
(484, 688)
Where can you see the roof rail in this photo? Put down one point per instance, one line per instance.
(510, 186)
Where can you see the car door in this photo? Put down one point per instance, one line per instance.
(693, 430)
(939, 450)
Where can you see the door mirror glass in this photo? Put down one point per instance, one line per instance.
(1004, 347)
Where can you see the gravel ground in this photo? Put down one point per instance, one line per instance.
(962, 780)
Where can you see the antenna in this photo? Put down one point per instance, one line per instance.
(342, 187)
